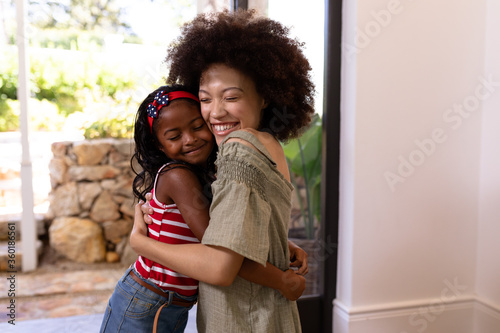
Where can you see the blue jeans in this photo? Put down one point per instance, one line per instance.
(132, 308)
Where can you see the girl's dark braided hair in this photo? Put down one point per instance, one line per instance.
(148, 158)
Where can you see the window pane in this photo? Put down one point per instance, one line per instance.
(304, 155)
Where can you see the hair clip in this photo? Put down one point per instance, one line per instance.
(162, 99)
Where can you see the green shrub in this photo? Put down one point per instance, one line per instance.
(43, 115)
(51, 80)
(109, 128)
(9, 120)
(70, 39)
(303, 156)
(8, 75)
(72, 81)
(107, 120)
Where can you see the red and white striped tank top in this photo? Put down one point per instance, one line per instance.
(168, 227)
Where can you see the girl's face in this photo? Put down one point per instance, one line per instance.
(183, 134)
(229, 101)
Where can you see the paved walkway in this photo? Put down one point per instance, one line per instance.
(62, 300)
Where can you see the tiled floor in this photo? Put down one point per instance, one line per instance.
(73, 324)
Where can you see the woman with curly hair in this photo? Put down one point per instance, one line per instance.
(255, 90)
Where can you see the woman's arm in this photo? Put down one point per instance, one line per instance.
(217, 266)
(298, 257)
(211, 264)
(289, 284)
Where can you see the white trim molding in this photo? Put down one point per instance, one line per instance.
(463, 314)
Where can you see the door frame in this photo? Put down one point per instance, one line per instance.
(316, 312)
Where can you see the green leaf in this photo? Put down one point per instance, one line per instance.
(304, 160)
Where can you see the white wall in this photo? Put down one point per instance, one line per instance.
(414, 212)
(488, 265)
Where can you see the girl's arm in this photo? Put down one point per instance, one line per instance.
(288, 283)
(298, 258)
(181, 186)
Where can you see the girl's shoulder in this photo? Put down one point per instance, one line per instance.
(174, 177)
(175, 165)
(176, 170)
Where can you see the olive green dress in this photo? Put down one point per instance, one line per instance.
(249, 214)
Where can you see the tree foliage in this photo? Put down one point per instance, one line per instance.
(101, 15)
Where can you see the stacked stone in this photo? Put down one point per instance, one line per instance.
(91, 202)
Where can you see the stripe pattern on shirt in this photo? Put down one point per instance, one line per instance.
(168, 227)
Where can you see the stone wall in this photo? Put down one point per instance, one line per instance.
(91, 201)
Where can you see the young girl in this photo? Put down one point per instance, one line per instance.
(175, 148)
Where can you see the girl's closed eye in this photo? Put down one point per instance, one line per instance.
(173, 138)
(199, 124)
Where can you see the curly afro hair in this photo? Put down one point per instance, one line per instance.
(258, 47)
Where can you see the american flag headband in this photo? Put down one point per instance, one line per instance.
(163, 99)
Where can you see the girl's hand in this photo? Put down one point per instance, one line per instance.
(298, 258)
(146, 209)
(293, 285)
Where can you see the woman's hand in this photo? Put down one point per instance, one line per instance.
(140, 228)
(293, 285)
(146, 209)
(298, 258)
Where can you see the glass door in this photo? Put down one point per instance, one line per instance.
(314, 159)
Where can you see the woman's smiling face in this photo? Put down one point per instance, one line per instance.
(229, 101)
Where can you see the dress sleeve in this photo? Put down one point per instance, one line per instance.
(240, 212)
